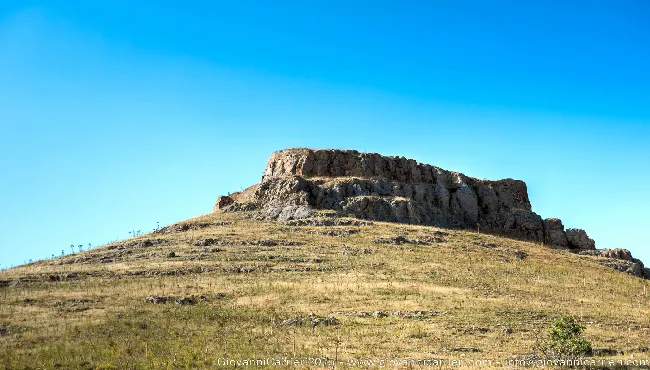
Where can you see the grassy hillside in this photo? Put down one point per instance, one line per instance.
(227, 286)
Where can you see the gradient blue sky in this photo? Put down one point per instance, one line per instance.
(115, 116)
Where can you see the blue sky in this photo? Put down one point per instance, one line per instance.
(115, 116)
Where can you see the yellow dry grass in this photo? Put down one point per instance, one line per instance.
(88, 310)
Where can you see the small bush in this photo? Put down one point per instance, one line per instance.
(565, 340)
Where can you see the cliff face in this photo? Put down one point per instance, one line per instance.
(297, 182)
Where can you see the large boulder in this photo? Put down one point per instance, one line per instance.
(223, 202)
(524, 224)
(554, 232)
(618, 253)
(578, 239)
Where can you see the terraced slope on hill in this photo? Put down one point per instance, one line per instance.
(225, 285)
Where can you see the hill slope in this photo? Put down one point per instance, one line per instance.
(326, 287)
(280, 273)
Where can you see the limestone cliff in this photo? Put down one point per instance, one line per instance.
(297, 182)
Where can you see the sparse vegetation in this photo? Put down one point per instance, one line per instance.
(459, 294)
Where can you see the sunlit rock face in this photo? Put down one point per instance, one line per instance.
(297, 182)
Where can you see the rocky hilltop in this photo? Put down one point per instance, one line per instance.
(298, 182)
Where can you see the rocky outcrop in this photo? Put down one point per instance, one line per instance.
(371, 186)
(621, 260)
(554, 232)
(223, 202)
(578, 239)
(297, 182)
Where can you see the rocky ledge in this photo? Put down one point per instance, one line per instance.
(297, 182)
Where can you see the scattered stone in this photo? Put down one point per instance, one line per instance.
(464, 349)
(519, 254)
(325, 321)
(328, 222)
(74, 305)
(337, 233)
(417, 314)
(191, 300)
(434, 239)
(292, 322)
(621, 254)
(158, 299)
(485, 245)
(205, 242)
(237, 270)
(186, 226)
(273, 243)
(7, 330)
(349, 251)
(604, 352)
(262, 243)
(507, 330)
(314, 321)
(138, 244)
(399, 240)
(628, 267)
(619, 259)
(188, 300)
(145, 244)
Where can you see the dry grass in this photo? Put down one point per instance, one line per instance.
(88, 310)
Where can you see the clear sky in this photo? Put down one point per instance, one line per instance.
(115, 115)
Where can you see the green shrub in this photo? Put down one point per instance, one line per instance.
(565, 340)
